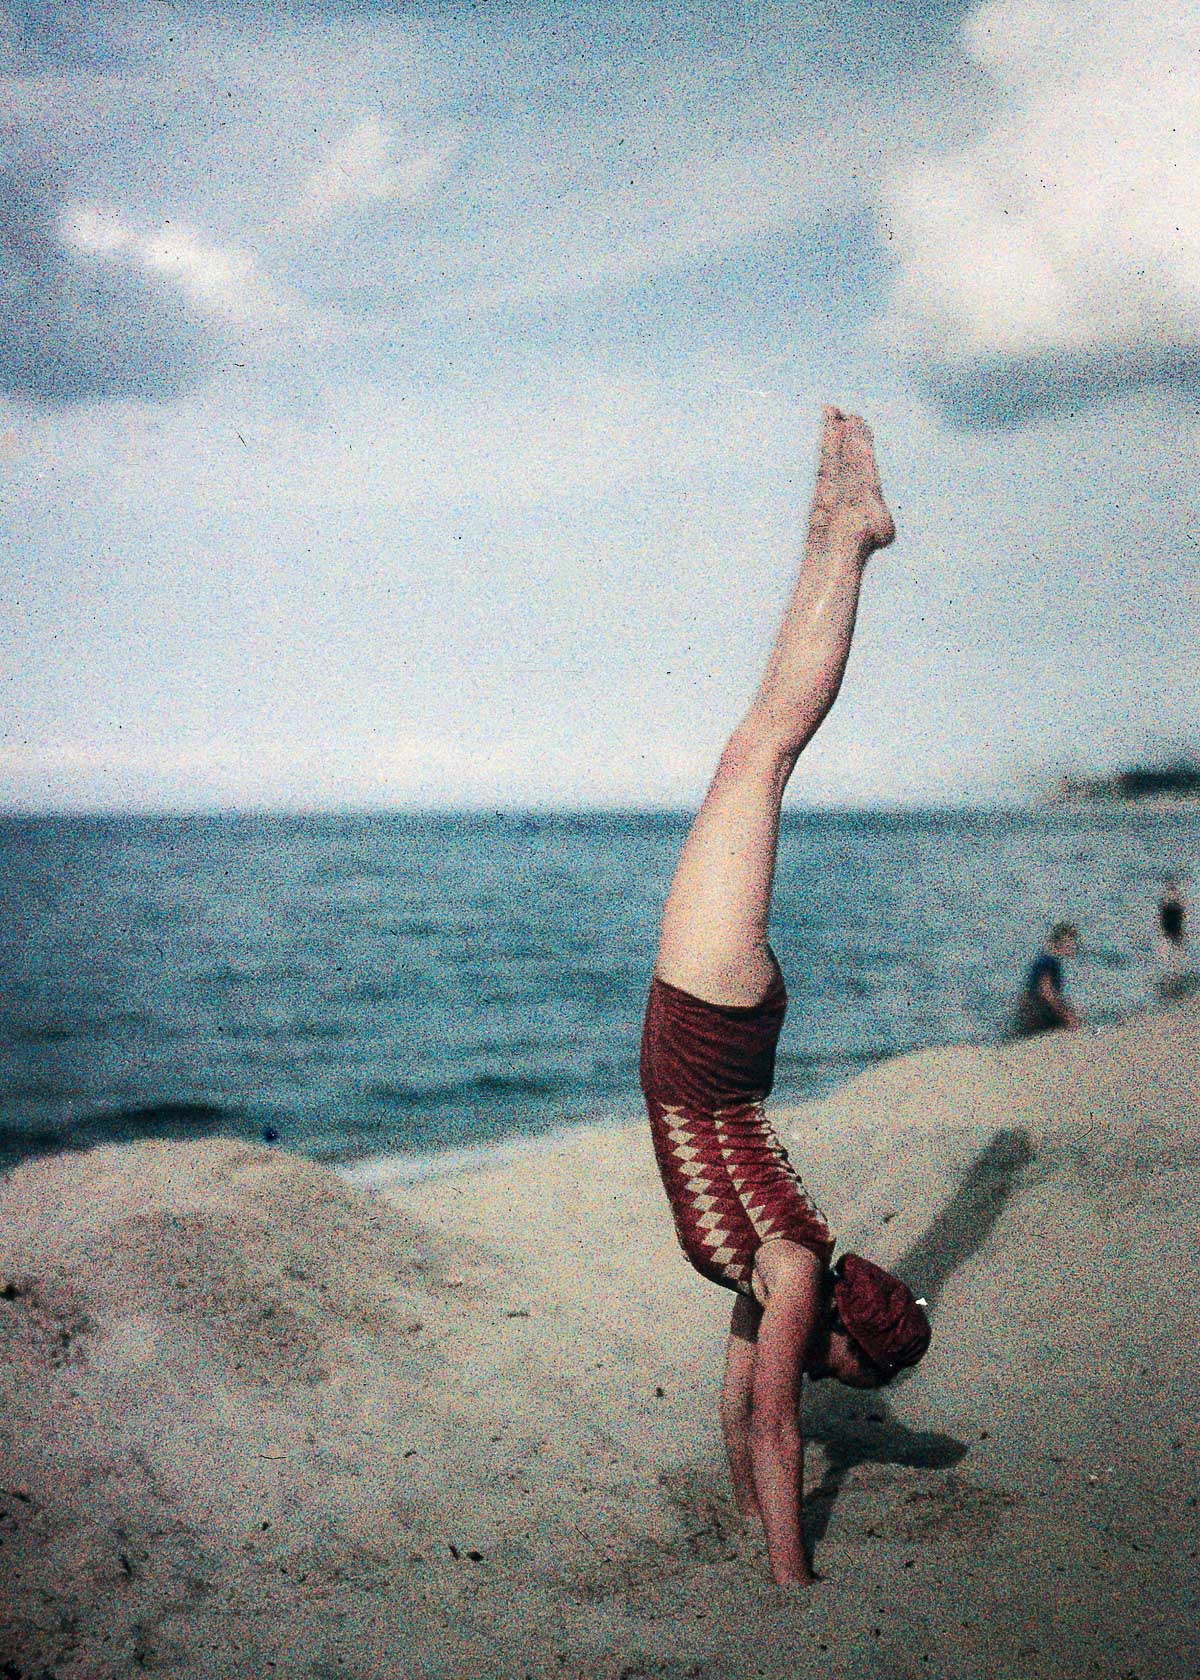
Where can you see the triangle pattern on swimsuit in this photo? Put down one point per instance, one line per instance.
(727, 1176)
(702, 1192)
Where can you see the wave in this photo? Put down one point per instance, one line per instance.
(229, 974)
(65, 1031)
(394, 1095)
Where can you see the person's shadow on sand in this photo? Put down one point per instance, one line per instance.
(857, 1428)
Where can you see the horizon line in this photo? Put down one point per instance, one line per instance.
(526, 811)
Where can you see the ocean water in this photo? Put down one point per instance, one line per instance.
(379, 984)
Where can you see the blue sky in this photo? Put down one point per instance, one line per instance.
(416, 404)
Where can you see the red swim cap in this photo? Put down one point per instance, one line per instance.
(881, 1314)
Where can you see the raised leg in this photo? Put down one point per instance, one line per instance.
(714, 928)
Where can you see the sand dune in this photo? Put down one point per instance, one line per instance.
(261, 1420)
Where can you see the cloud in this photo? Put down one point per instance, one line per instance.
(459, 160)
(1055, 261)
(222, 282)
(74, 327)
(367, 166)
(35, 34)
(496, 173)
(92, 306)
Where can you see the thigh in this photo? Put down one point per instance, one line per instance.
(714, 928)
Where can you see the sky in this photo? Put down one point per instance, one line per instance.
(416, 404)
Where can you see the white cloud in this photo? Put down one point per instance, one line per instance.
(1058, 255)
(222, 281)
(369, 164)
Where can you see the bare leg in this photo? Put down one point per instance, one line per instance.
(714, 929)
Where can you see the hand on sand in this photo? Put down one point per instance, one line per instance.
(848, 504)
(806, 1577)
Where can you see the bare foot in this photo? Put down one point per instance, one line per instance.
(848, 505)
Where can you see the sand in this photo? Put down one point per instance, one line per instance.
(262, 1419)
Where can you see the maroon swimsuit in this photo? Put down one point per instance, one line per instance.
(706, 1070)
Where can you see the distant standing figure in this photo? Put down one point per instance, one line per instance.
(1174, 976)
(1043, 1005)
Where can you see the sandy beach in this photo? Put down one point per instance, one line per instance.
(262, 1418)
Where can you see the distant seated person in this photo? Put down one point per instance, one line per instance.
(1175, 978)
(1043, 1005)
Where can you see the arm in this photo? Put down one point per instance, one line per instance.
(1056, 1002)
(790, 1277)
(737, 1401)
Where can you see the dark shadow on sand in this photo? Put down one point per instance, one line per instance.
(858, 1428)
(963, 1226)
(182, 1121)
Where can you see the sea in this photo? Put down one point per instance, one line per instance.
(410, 986)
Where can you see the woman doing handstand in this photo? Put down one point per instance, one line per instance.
(716, 1007)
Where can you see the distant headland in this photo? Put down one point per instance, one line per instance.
(1166, 784)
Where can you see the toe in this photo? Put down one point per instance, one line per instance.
(831, 442)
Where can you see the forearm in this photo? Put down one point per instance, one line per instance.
(737, 1399)
(778, 1460)
(741, 1467)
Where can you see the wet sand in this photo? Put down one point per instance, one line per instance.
(258, 1419)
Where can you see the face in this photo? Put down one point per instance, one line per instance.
(1066, 945)
(842, 1359)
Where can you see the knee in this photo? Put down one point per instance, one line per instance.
(761, 749)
